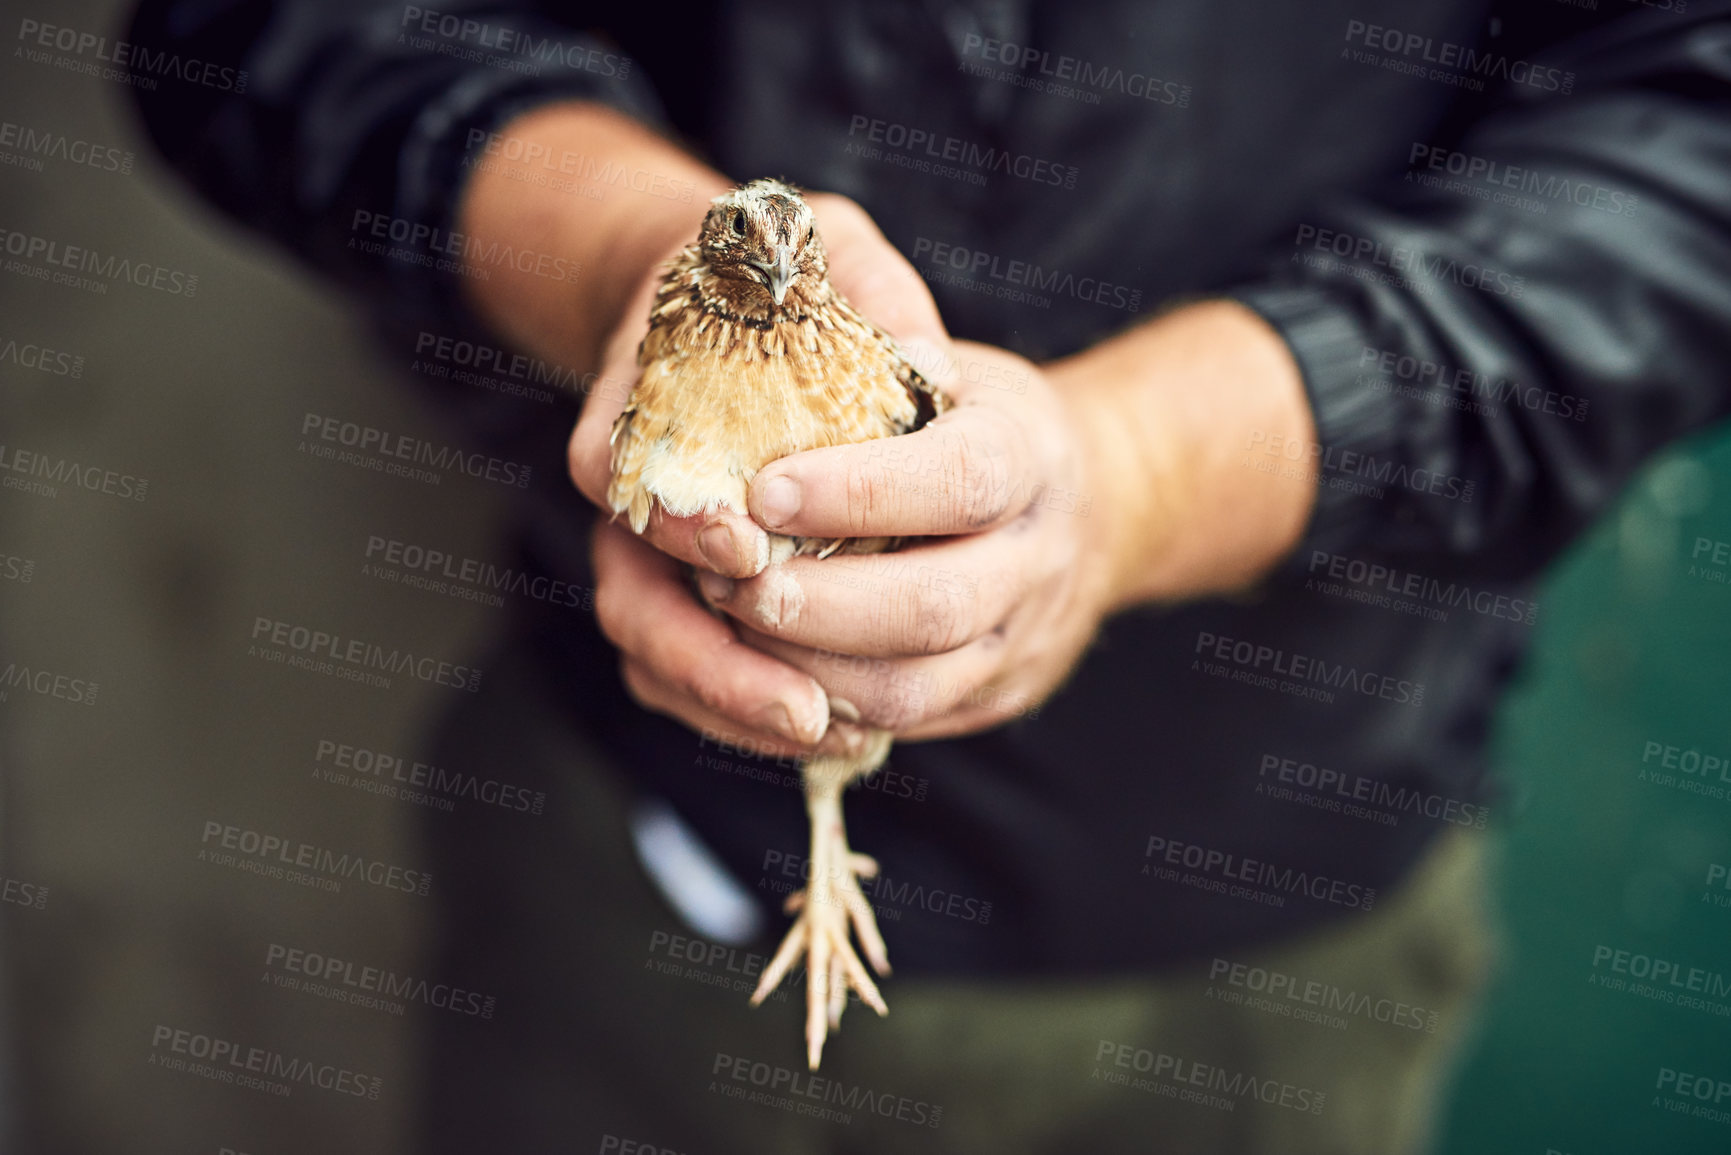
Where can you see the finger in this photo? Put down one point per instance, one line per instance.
(723, 542)
(605, 395)
(588, 455)
(660, 697)
(896, 694)
(964, 472)
(644, 607)
(926, 600)
(971, 719)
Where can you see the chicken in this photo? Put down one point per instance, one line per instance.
(752, 355)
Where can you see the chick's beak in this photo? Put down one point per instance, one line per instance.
(779, 275)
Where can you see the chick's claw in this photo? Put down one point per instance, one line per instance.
(829, 909)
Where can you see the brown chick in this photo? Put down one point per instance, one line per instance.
(752, 355)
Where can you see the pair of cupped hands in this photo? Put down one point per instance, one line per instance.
(999, 587)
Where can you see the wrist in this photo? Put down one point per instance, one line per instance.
(1165, 411)
(1133, 483)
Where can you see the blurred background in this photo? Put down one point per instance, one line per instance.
(115, 927)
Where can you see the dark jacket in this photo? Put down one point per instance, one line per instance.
(1498, 242)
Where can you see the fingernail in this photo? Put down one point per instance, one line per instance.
(775, 717)
(811, 719)
(716, 589)
(781, 498)
(778, 717)
(716, 546)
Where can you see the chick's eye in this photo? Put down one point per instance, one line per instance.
(739, 222)
(810, 234)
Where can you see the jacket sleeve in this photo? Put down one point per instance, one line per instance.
(355, 121)
(1493, 343)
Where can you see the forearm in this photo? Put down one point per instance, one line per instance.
(1165, 412)
(614, 239)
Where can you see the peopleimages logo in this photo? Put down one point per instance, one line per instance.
(1336, 789)
(21, 893)
(883, 891)
(502, 46)
(43, 475)
(1436, 379)
(134, 63)
(1390, 587)
(1347, 469)
(34, 145)
(366, 986)
(804, 1093)
(1311, 1000)
(45, 683)
(226, 1061)
(1461, 64)
(275, 851)
(42, 359)
(1177, 1077)
(399, 454)
(935, 147)
(1041, 70)
(1015, 280)
(1488, 178)
(1245, 661)
(1164, 853)
(365, 661)
(451, 573)
(104, 270)
(397, 773)
(430, 246)
(1401, 259)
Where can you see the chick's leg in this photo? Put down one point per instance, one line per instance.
(832, 905)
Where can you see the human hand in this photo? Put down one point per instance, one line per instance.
(974, 624)
(999, 590)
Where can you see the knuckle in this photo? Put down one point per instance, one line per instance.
(940, 625)
(706, 690)
(919, 621)
(977, 476)
(867, 486)
(897, 709)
